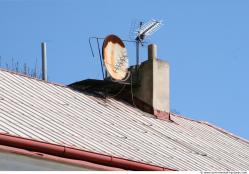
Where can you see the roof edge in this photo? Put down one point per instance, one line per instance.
(24, 75)
(76, 154)
(215, 127)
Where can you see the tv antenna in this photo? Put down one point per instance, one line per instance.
(143, 32)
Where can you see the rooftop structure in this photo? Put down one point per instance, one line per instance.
(80, 128)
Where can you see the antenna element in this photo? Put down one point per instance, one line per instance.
(144, 31)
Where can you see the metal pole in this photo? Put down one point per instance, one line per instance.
(137, 52)
(44, 61)
(138, 40)
(100, 58)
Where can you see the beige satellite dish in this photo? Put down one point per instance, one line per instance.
(115, 57)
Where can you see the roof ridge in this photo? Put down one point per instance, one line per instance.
(34, 78)
(215, 127)
(225, 132)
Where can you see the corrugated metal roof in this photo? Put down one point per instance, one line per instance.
(42, 111)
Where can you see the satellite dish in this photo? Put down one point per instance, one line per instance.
(115, 57)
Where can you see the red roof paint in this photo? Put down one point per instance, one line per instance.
(76, 154)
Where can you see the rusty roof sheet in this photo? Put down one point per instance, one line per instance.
(42, 111)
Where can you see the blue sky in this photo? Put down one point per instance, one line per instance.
(205, 42)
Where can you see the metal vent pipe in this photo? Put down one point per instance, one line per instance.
(152, 51)
(44, 61)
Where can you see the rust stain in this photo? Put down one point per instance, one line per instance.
(114, 39)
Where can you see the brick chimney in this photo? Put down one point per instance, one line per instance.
(153, 89)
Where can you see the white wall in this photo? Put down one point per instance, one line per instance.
(12, 161)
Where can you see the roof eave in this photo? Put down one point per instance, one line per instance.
(42, 156)
(77, 154)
